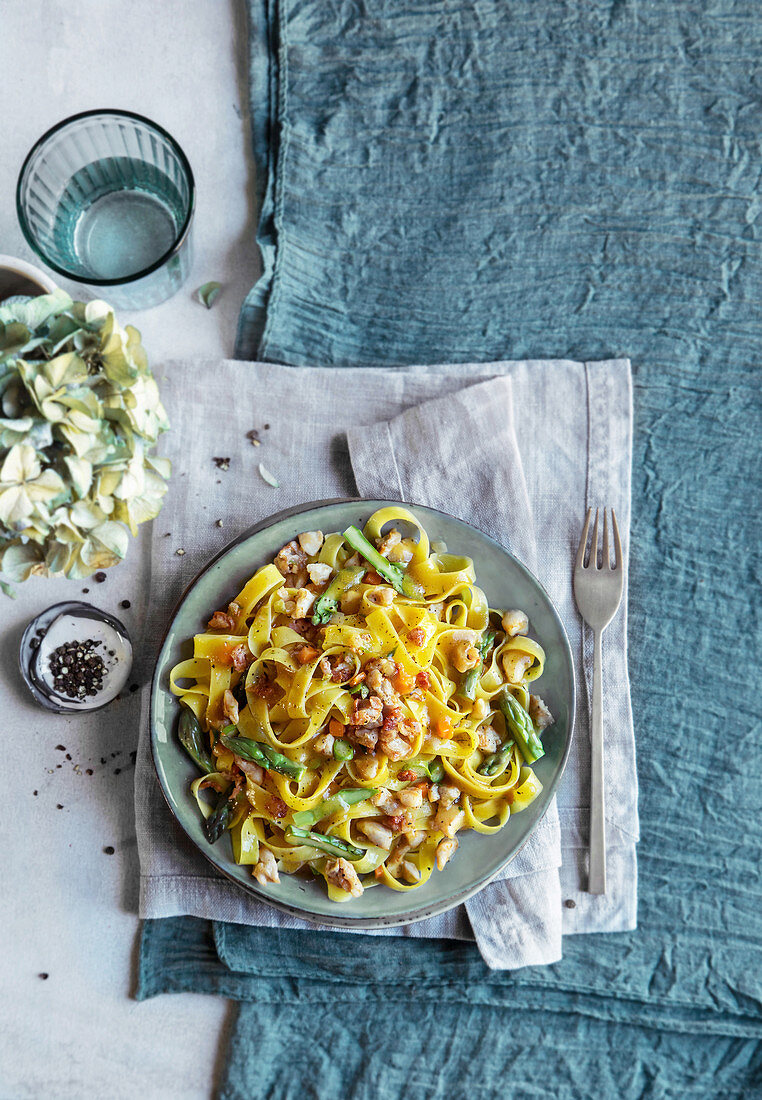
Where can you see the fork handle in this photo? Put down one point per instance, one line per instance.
(597, 876)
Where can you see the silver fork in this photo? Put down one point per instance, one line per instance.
(598, 592)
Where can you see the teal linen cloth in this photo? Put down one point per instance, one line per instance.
(538, 178)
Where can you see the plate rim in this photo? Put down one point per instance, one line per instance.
(259, 893)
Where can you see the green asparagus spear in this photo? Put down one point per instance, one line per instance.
(497, 762)
(470, 680)
(221, 816)
(434, 769)
(362, 691)
(191, 737)
(350, 796)
(328, 601)
(521, 726)
(342, 749)
(330, 844)
(263, 755)
(396, 576)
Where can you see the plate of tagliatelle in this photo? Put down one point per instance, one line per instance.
(361, 710)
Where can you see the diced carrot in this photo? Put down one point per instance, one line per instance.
(336, 728)
(306, 653)
(372, 577)
(379, 871)
(443, 727)
(417, 636)
(402, 681)
(423, 680)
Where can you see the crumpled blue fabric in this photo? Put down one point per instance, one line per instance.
(443, 182)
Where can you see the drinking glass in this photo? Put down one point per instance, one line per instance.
(106, 198)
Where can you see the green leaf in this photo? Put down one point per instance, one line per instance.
(208, 293)
(265, 474)
(9, 591)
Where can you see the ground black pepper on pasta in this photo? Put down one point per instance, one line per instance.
(77, 670)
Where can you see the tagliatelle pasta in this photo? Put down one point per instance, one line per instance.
(356, 706)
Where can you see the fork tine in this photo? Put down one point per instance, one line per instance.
(579, 563)
(605, 559)
(593, 562)
(617, 543)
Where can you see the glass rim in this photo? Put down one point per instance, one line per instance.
(181, 234)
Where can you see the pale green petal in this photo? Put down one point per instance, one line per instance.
(15, 506)
(114, 536)
(48, 485)
(21, 464)
(81, 474)
(19, 560)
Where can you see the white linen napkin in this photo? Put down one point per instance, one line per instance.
(519, 450)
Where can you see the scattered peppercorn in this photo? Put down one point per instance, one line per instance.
(221, 463)
(34, 793)
(103, 760)
(100, 577)
(34, 642)
(85, 591)
(77, 670)
(88, 771)
(117, 771)
(134, 687)
(59, 806)
(108, 850)
(61, 748)
(43, 976)
(267, 427)
(570, 903)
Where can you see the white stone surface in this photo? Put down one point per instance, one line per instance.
(67, 909)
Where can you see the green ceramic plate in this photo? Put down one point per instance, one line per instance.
(506, 582)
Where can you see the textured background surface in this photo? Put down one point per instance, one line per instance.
(472, 180)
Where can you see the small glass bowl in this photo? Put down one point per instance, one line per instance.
(74, 621)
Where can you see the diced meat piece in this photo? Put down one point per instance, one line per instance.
(324, 744)
(324, 668)
(311, 542)
(319, 573)
(340, 872)
(400, 554)
(291, 558)
(230, 706)
(241, 657)
(221, 620)
(382, 596)
(306, 653)
(515, 622)
(464, 656)
(423, 680)
(445, 850)
(343, 670)
(266, 870)
(448, 795)
(539, 713)
(449, 820)
(417, 636)
(410, 797)
(252, 770)
(376, 833)
(410, 872)
(365, 736)
(516, 665)
(488, 738)
(367, 712)
(385, 801)
(391, 539)
(303, 603)
(480, 710)
(276, 806)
